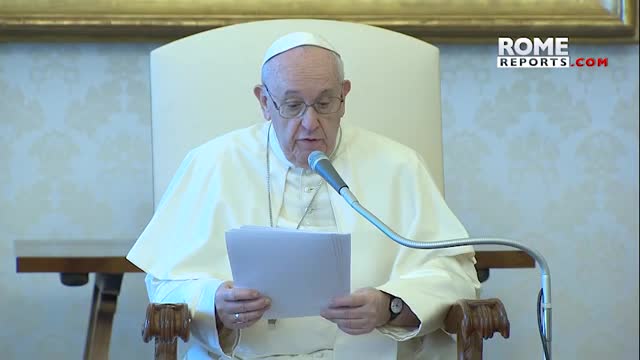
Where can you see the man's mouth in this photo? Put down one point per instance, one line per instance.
(309, 143)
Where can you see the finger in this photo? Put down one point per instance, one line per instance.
(247, 317)
(243, 320)
(353, 300)
(243, 306)
(341, 313)
(222, 290)
(235, 294)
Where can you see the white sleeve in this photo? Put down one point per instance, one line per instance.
(199, 295)
(430, 290)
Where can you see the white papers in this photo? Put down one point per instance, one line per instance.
(301, 271)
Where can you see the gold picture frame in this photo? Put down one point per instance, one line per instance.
(441, 21)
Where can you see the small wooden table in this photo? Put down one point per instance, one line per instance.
(75, 260)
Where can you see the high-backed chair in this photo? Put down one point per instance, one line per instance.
(201, 87)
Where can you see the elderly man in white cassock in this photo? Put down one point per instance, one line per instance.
(259, 176)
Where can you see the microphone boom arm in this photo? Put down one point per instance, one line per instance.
(320, 163)
(544, 267)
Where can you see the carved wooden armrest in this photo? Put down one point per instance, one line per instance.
(165, 323)
(473, 321)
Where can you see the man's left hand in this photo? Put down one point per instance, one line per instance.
(360, 312)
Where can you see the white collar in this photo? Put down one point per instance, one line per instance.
(274, 144)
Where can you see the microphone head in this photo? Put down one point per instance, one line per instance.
(314, 157)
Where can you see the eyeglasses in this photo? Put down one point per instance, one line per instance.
(295, 108)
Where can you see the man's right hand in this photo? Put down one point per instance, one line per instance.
(239, 308)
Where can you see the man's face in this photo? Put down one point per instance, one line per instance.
(303, 75)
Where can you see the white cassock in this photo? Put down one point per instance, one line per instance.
(222, 185)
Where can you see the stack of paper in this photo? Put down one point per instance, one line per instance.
(301, 271)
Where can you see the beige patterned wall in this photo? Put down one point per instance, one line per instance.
(75, 163)
(547, 157)
(551, 158)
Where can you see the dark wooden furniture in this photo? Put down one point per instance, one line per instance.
(471, 320)
(74, 260)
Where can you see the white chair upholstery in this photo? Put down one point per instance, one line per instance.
(201, 87)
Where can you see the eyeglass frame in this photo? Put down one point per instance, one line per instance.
(306, 106)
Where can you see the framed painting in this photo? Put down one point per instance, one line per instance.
(443, 21)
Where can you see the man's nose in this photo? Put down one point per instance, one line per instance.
(310, 119)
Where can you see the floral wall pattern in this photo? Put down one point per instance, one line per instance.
(546, 157)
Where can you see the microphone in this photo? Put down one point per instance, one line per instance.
(319, 162)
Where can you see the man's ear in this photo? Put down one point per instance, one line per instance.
(346, 87)
(260, 94)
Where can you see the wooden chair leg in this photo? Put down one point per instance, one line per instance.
(103, 308)
(475, 320)
(166, 323)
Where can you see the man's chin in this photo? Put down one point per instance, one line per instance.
(302, 159)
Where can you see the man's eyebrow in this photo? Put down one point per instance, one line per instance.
(291, 92)
(297, 92)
